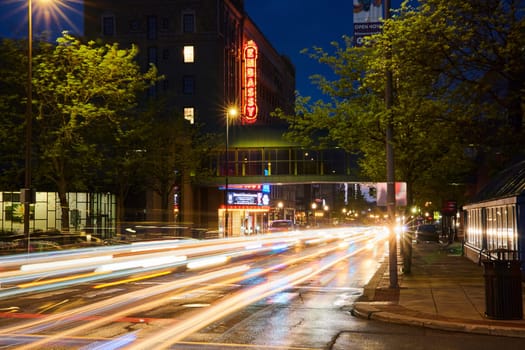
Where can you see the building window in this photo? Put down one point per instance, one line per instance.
(165, 54)
(164, 24)
(188, 23)
(189, 114)
(108, 25)
(188, 85)
(152, 27)
(134, 25)
(152, 55)
(188, 54)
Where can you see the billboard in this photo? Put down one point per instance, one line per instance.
(401, 194)
(367, 19)
(251, 195)
(248, 198)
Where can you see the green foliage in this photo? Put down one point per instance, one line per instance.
(13, 82)
(458, 77)
(82, 92)
(174, 150)
(90, 133)
(77, 86)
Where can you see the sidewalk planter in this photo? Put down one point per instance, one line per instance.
(503, 290)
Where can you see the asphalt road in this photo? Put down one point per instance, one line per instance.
(292, 291)
(151, 297)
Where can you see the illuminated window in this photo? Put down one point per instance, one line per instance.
(189, 114)
(188, 54)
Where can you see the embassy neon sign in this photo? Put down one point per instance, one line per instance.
(250, 82)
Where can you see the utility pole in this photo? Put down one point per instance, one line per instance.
(390, 173)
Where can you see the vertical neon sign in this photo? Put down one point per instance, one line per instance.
(250, 82)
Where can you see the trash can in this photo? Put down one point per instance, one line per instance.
(503, 290)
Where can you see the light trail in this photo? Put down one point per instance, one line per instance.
(117, 301)
(134, 279)
(149, 262)
(285, 281)
(91, 309)
(83, 262)
(171, 335)
(54, 265)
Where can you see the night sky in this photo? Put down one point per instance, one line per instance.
(294, 25)
(290, 25)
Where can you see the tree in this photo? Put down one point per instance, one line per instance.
(355, 117)
(175, 152)
(475, 48)
(76, 86)
(124, 155)
(438, 53)
(13, 87)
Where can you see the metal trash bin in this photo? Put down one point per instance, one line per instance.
(503, 289)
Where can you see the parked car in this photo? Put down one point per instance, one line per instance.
(427, 233)
(281, 226)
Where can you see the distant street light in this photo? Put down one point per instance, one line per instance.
(280, 205)
(231, 112)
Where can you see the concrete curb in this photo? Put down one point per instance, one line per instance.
(372, 311)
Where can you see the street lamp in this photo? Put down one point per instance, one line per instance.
(26, 192)
(280, 205)
(390, 171)
(231, 112)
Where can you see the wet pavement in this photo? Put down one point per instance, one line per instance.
(444, 290)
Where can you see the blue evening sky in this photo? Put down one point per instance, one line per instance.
(290, 25)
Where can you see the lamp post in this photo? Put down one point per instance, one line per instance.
(26, 192)
(314, 207)
(280, 205)
(230, 112)
(390, 173)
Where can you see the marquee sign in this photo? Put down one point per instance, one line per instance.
(250, 82)
(248, 198)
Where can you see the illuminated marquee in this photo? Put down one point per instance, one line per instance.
(250, 82)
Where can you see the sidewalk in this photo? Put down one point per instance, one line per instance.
(443, 291)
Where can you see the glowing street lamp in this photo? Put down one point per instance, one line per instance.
(231, 112)
(26, 192)
(280, 205)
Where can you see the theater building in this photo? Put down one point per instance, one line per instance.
(213, 57)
